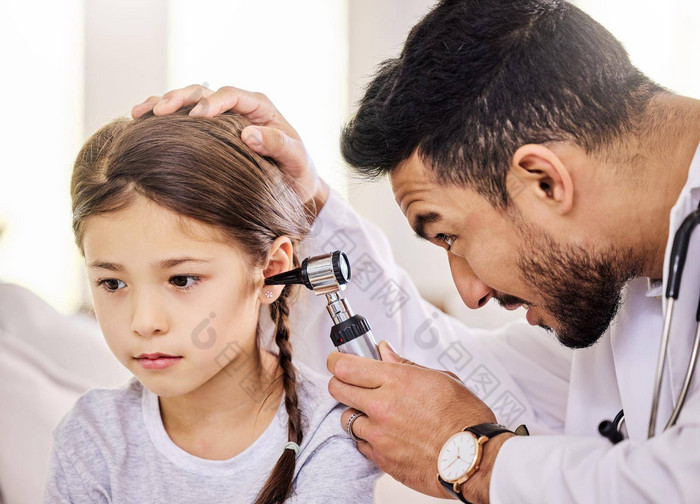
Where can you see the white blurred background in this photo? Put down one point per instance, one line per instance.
(71, 66)
(68, 67)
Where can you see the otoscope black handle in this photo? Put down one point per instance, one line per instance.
(354, 336)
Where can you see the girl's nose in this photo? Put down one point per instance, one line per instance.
(148, 319)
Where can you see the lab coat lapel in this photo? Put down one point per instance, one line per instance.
(593, 397)
(683, 325)
(636, 335)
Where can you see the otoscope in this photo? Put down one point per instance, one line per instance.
(329, 274)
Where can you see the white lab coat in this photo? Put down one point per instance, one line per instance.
(525, 376)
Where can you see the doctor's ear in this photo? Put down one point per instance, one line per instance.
(279, 259)
(538, 175)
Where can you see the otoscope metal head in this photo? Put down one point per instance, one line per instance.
(322, 274)
(328, 274)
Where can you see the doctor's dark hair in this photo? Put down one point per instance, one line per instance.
(476, 79)
(201, 169)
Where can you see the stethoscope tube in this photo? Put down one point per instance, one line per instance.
(688, 376)
(679, 252)
(660, 365)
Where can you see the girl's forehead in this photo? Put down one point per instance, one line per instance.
(151, 218)
(145, 228)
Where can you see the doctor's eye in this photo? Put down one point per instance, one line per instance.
(184, 282)
(111, 285)
(448, 239)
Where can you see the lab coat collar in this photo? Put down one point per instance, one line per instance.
(636, 332)
(683, 325)
(654, 288)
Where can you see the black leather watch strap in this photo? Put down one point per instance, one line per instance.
(488, 429)
(449, 487)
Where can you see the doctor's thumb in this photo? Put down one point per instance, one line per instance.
(389, 354)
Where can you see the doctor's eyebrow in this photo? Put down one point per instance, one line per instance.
(164, 264)
(422, 221)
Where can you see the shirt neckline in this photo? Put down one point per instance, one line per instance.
(161, 440)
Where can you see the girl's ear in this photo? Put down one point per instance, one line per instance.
(279, 259)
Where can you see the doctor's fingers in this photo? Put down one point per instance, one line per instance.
(373, 402)
(360, 425)
(364, 372)
(401, 456)
(255, 106)
(172, 100)
(289, 153)
(389, 355)
(360, 429)
(142, 108)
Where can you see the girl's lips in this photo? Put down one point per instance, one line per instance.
(159, 363)
(155, 355)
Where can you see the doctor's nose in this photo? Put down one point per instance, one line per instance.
(472, 290)
(148, 317)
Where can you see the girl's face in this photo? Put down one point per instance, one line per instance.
(159, 286)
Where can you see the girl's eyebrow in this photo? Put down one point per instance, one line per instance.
(164, 264)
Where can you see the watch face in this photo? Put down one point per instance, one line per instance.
(457, 456)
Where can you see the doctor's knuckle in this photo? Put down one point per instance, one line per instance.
(261, 96)
(393, 375)
(333, 386)
(173, 93)
(340, 369)
(278, 142)
(227, 90)
(378, 410)
(375, 436)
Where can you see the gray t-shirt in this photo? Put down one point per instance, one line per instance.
(112, 447)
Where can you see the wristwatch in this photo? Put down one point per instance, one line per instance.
(460, 456)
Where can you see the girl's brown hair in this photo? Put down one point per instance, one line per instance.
(201, 169)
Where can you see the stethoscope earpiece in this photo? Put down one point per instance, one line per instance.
(612, 429)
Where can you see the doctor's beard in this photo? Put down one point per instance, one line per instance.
(582, 290)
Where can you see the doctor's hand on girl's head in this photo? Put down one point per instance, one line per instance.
(270, 135)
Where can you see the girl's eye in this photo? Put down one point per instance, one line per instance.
(111, 284)
(184, 282)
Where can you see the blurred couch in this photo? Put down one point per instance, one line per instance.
(47, 360)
